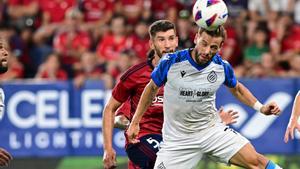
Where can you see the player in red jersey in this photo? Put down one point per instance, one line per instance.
(128, 90)
(5, 157)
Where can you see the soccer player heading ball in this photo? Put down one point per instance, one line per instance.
(191, 129)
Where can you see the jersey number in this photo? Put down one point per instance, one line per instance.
(151, 141)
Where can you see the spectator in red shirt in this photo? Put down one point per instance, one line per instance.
(53, 11)
(89, 69)
(166, 9)
(51, 70)
(139, 40)
(23, 13)
(127, 59)
(131, 9)
(97, 10)
(113, 43)
(71, 42)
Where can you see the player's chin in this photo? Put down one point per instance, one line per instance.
(3, 68)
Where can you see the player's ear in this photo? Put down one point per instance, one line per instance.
(151, 43)
(196, 38)
(221, 44)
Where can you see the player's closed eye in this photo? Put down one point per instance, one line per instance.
(214, 48)
(203, 44)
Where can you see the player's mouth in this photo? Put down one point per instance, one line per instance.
(3, 61)
(204, 57)
(165, 52)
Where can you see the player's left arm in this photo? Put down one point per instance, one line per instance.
(246, 97)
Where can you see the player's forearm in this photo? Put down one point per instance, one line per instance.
(107, 127)
(148, 95)
(296, 108)
(244, 95)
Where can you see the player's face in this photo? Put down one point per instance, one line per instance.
(164, 42)
(3, 57)
(206, 47)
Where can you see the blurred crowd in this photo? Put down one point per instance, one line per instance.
(100, 39)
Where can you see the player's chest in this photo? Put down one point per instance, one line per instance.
(190, 79)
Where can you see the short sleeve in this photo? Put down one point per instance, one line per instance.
(159, 74)
(121, 92)
(230, 79)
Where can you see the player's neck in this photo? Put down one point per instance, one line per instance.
(155, 60)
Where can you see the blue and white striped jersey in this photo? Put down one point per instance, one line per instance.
(190, 91)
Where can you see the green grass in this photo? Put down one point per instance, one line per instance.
(287, 162)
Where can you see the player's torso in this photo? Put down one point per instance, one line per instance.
(190, 95)
(153, 117)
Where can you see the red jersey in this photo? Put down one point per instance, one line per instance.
(60, 75)
(80, 42)
(139, 45)
(110, 48)
(95, 10)
(131, 86)
(56, 9)
(160, 8)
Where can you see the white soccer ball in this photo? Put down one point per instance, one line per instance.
(210, 14)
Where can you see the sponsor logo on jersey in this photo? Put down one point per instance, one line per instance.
(183, 92)
(158, 101)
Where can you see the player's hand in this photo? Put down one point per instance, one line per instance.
(270, 109)
(109, 159)
(132, 133)
(228, 117)
(5, 157)
(121, 122)
(293, 124)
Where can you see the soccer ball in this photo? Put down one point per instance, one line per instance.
(210, 14)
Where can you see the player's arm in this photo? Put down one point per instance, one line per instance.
(109, 156)
(148, 95)
(293, 123)
(246, 97)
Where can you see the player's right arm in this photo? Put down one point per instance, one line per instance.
(148, 95)
(293, 123)
(109, 156)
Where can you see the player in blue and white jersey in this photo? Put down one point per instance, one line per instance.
(191, 128)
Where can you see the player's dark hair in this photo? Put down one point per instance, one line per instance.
(219, 32)
(160, 26)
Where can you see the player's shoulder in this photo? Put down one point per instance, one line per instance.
(134, 70)
(217, 59)
(178, 56)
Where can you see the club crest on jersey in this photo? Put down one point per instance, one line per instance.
(182, 73)
(212, 77)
